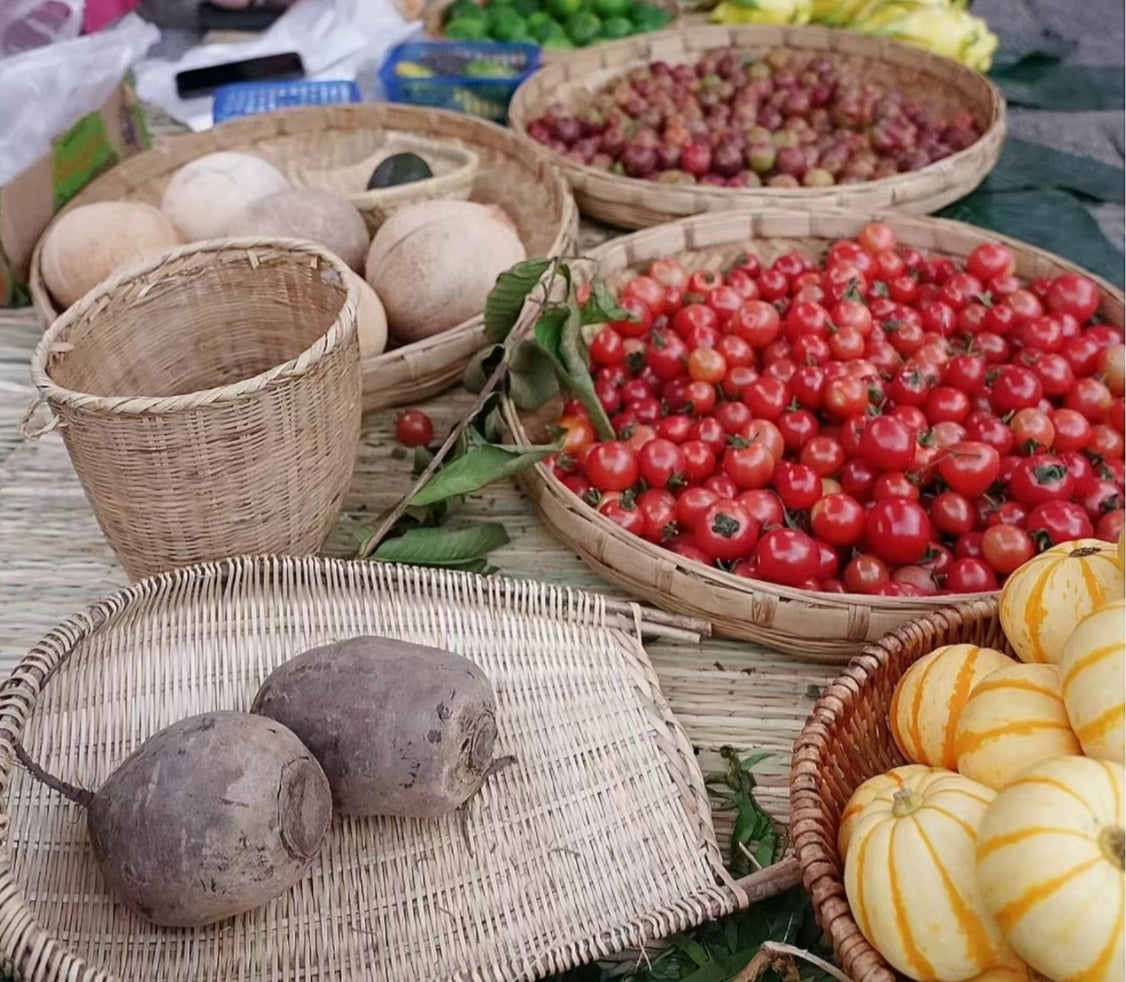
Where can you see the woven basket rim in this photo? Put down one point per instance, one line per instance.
(468, 163)
(339, 333)
(618, 55)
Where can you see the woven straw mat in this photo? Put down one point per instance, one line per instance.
(597, 839)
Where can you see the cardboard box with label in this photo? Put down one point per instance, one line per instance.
(30, 200)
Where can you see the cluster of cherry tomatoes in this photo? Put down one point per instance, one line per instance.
(879, 423)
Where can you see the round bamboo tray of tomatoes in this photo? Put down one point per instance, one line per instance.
(825, 425)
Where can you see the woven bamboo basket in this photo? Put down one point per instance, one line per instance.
(434, 19)
(210, 401)
(630, 203)
(811, 626)
(510, 174)
(845, 742)
(597, 839)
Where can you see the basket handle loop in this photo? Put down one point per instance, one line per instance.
(30, 432)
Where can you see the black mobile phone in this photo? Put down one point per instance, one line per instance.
(204, 81)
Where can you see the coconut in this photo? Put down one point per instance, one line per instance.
(371, 320)
(306, 213)
(206, 195)
(433, 264)
(90, 242)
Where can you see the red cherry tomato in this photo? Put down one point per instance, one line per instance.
(612, 466)
(838, 519)
(898, 530)
(1058, 521)
(787, 556)
(970, 467)
(1070, 293)
(1040, 478)
(414, 429)
(970, 575)
(624, 514)
(887, 444)
(726, 531)
(749, 466)
(865, 574)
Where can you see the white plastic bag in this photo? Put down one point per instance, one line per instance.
(27, 24)
(47, 90)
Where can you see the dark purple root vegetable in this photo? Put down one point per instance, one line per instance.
(212, 816)
(399, 728)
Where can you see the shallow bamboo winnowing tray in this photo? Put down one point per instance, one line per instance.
(598, 838)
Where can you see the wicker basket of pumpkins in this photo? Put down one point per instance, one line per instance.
(957, 795)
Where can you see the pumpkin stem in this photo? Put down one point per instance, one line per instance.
(1112, 840)
(906, 802)
(1084, 551)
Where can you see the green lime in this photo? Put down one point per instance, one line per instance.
(617, 27)
(541, 26)
(583, 27)
(611, 8)
(468, 29)
(526, 7)
(505, 23)
(463, 10)
(558, 42)
(650, 17)
(562, 9)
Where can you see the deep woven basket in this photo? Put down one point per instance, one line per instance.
(210, 401)
(510, 174)
(630, 203)
(811, 626)
(846, 741)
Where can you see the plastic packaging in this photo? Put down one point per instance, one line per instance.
(47, 89)
(28, 24)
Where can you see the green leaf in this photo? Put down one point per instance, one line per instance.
(602, 306)
(1043, 82)
(443, 547)
(481, 366)
(532, 380)
(559, 334)
(506, 299)
(1051, 219)
(1025, 166)
(479, 467)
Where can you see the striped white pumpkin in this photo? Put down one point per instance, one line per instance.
(890, 781)
(929, 698)
(1093, 682)
(1050, 868)
(1043, 600)
(1013, 718)
(909, 877)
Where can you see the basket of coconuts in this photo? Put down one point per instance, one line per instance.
(357, 180)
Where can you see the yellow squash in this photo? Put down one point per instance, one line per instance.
(1013, 718)
(929, 698)
(1044, 599)
(909, 877)
(888, 782)
(1093, 682)
(1050, 868)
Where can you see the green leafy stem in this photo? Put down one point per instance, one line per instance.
(534, 363)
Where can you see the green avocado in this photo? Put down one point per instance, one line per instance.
(399, 168)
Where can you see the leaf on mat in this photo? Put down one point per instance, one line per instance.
(602, 306)
(1051, 219)
(1025, 166)
(1041, 82)
(506, 299)
(478, 467)
(451, 549)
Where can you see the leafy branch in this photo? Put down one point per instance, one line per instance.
(531, 360)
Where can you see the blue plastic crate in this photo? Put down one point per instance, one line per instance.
(449, 87)
(250, 98)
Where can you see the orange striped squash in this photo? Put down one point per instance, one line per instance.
(929, 698)
(891, 781)
(909, 878)
(1010, 973)
(1043, 600)
(1013, 718)
(1093, 682)
(1050, 867)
